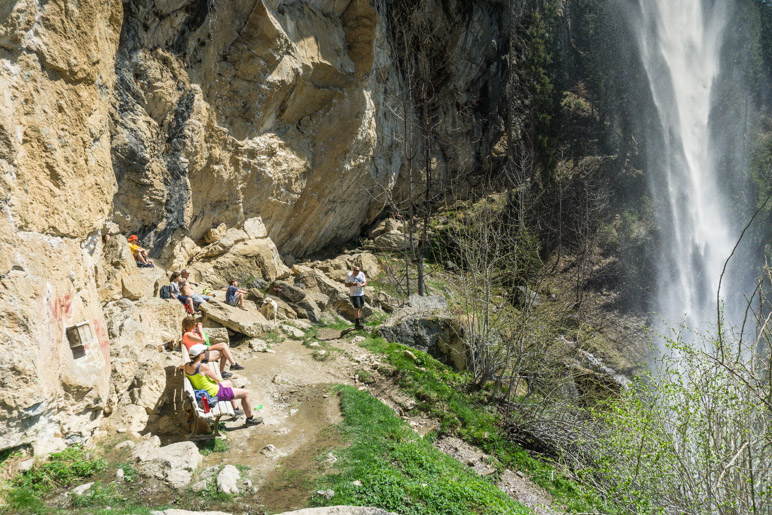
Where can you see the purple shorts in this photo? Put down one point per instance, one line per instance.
(225, 393)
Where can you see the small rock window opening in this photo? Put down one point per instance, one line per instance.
(80, 336)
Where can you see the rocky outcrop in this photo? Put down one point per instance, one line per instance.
(246, 321)
(172, 463)
(426, 324)
(138, 382)
(262, 104)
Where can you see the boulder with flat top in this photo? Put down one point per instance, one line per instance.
(248, 321)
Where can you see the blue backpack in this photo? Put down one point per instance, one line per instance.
(212, 400)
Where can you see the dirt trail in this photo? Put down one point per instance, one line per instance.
(299, 409)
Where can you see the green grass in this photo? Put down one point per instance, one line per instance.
(207, 447)
(99, 495)
(130, 474)
(272, 337)
(399, 470)
(338, 324)
(442, 393)
(62, 469)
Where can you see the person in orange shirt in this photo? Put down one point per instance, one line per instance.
(193, 333)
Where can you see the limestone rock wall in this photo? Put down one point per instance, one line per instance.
(257, 107)
(56, 188)
(285, 109)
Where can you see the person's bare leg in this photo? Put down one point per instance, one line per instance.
(139, 257)
(190, 304)
(241, 300)
(246, 403)
(225, 349)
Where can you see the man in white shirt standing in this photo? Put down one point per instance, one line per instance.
(356, 282)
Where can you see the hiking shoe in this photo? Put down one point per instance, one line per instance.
(236, 366)
(226, 375)
(358, 325)
(237, 413)
(253, 421)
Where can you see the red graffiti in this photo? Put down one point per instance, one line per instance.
(61, 307)
(104, 341)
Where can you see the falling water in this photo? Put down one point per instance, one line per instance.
(680, 42)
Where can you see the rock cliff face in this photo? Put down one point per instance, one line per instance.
(231, 109)
(170, 117)
(57, 64)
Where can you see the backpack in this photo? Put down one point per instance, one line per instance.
(211, 400)
(165, 292)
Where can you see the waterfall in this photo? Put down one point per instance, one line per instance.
(680, 43)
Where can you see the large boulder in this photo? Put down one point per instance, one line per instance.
(337, 268)
(215, 233)
(255, 228)
(426, 324)
(245, 260)
(178, 251)
(139, 379)
(172, 463)
(390, 241)
(306, 303)
(249, 321)
(223, 243)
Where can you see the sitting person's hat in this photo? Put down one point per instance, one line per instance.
(196, 349)
(133, 237)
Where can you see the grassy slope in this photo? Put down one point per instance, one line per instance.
(400, 471)
(441, 393)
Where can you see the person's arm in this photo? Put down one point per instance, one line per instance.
(208, 372)
(364, 282)
(197, 338)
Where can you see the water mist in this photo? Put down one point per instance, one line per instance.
(680, 43)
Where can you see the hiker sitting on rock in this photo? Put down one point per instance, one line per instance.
(235, 295)
(356, 282)
(174, 291)
(193, 334)
(140, 254)
(202, 377)
(198, 298)
(188, 295)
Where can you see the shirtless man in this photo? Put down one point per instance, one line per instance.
(197, 297)
(188, 295)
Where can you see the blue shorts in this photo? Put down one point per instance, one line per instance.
(200, 299)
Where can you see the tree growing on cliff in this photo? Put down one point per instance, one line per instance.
(422, 66)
